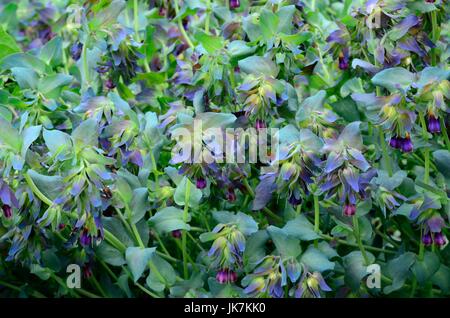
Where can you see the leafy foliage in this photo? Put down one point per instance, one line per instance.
(92, 93)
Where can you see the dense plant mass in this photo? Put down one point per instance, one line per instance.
(354, 204)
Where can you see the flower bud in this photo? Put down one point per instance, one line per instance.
(85, 238)
(231, 196)
(407, 145)
(165, 192)
(349, 209)
(7, 211)
(110, 84)
(343, 62)
(427, 239)
(434, 126)
(75, 50)
(222, 276)
(176, 234)
(234, 4)
(232, 276)
(260, 124)
(395, 142)
(200, 183)
(439, 239)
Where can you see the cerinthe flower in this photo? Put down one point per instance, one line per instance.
(234, 4)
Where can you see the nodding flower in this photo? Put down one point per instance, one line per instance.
(395, 142)
(407, 145)
(109, 84)
(200, 183)
(231, 195)
(439, 239)
(403, 144)
(310, 285)
(434, 126)
(427, 240)
(85, 238)
(227, 250)
(260, 124)
(226, 275)
(7, 211)
(75, 50)
(176, 234)
(234, 4)
(344, 59)
(8, 199)
(349, 209)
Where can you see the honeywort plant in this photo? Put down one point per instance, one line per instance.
(92, 94)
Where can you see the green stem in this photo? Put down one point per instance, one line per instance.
(145, 290)
(96, 284)
(137, 235)
(434, 35)
(110, 272)
(421, 247)
(385, 237)
(86, 293)
(426, 176)
(180, 247)
(273, 215)
(136, 20)
(85, 62)
(366, 247)
(181, 27)
(208, 13)
(36, 191)
(195, 241)
(299, 209)
(155, 171)
(156, 271)
(124, 221)
(316, 218)
(183, 235)
(166, 251)
(387, 160)
(111, 239)
(357, 235)
(444, 132)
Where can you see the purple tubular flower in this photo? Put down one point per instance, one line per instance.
(7, 211)
(176, 234)
(434, 126)
(439, 239)
(407, 145)
(75, 50)
(110, 84)
(395, 142)
(344, 59)
(232, 276)
(231, 196)
(200, 183)
(222, 276)
(427, 239)
(85, 238)
(349, 209)
(260, 124)
(234, 4)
